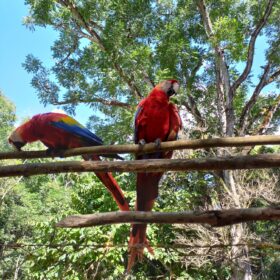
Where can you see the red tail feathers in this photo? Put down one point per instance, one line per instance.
(137, 243)
(111, 184)
(108, 180)
(147, 184)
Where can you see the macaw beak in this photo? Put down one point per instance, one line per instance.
(173, 89)
(18, 145)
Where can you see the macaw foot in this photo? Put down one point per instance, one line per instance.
(142, 142)
(136, 252)
(148, 246)
(87, 157)
(158, 143)
(55, 152)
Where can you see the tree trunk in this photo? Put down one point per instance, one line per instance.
(241, 267)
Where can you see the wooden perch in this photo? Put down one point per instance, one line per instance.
(152, 165)
(149, 148)
(215, 218)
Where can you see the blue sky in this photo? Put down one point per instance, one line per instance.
(17, 41)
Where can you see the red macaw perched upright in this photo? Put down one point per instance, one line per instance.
(156, 120)
(58, 131)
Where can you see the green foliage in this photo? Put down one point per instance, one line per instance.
(127, 43)
(76, 253)
(7, 118)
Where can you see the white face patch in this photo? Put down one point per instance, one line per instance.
(14, 137)
(16, 141)
(176, 87)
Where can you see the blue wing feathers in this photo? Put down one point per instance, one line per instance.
(139, 109)
(79, 131)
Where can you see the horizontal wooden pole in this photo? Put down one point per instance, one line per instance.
(155, 165)
(215, 218)
(259, 245)
(149, 148)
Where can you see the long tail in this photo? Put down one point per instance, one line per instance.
(137, 242)
(111, 184)
(147, 192)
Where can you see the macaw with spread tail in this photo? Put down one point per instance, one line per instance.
(58, 132)
(156, 120)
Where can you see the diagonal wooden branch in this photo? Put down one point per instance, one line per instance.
(192, 108)
(273, 77)
(206, 18)
(251, 47)
(243, 122)
(148, 80)
(149, 148)
(95, 38)
(215, 218)
(191, 105)
(194, 71)
(103, 101)
(94, 35)
(224, 95)
(268, 117)
(155, 165)
(96, 25)
(129, 81)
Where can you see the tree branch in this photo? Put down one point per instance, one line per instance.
(191, 105)
(268, 117)
(148, 80)
(94, 100)
(129, 81)
(222, 78)
(248, 106)
(94, 37)
(273, 77)
(149, 148)
(206, 18)
(152, 165)
(192, 108)
(215, 218)
(96, 25)
(251, 48)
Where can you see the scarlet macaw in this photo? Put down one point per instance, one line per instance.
(156, 120)
(58, 131)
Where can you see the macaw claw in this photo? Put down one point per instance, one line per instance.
(55, 152)
(158, 143)
(142, 142)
